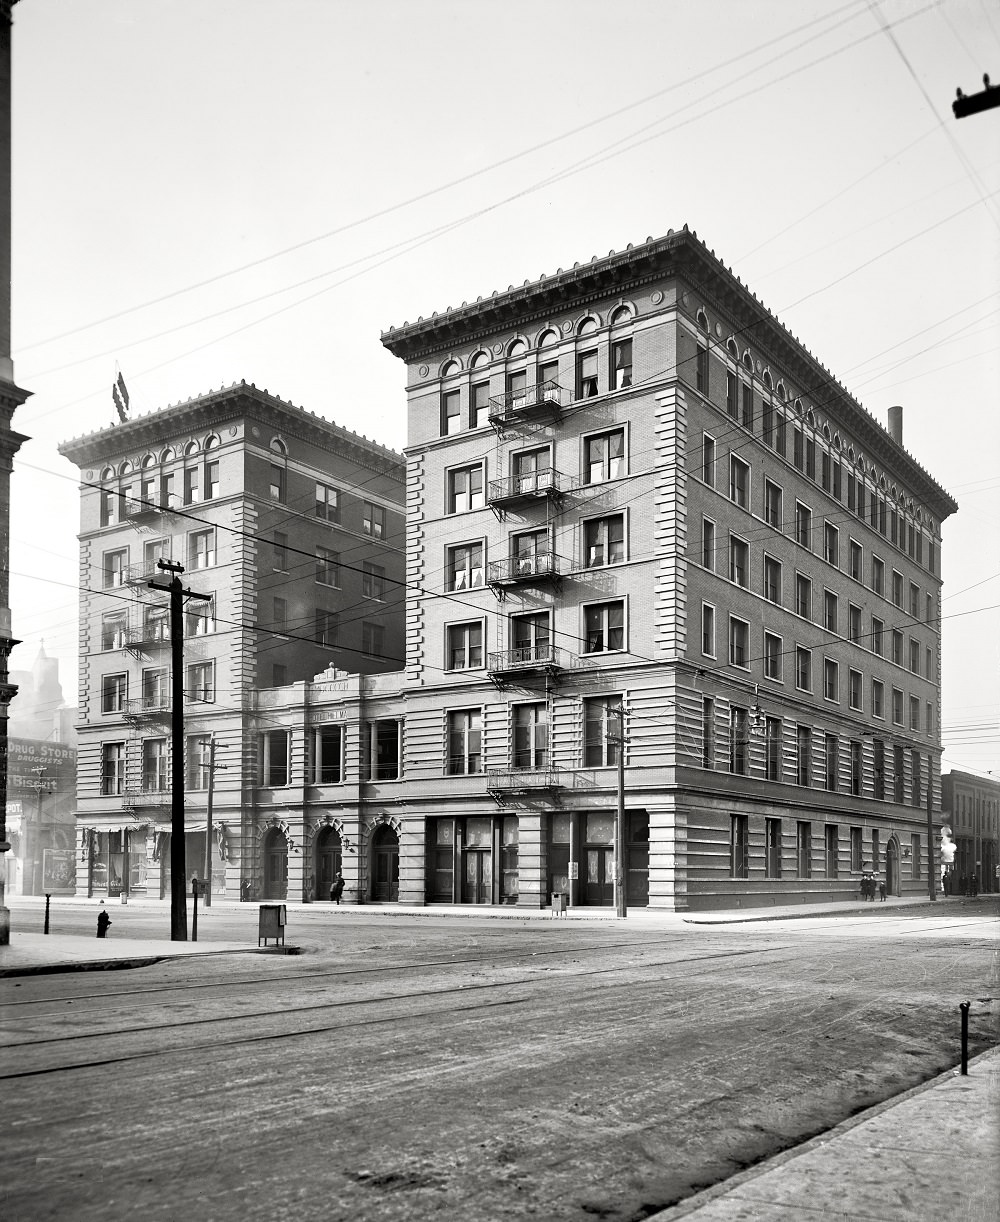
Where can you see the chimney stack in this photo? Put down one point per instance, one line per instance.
(896, 424)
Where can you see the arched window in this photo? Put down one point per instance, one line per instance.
(517, 348)
(782, 394)
(108, 473)
(587, 327)
(449, 368)
(278, 446)
(731, 348)
(621, 315)
(192, 447)
(125, 468)
(479, 360)
(211, 441)
(547, 338)
(767, 379)
(167, 455)
(148, 461)
(702, 319)
(748, 360)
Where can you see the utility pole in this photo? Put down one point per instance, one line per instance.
(621, 877)
(931, 890)
(178, 866)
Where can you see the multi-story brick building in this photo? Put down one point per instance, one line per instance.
(294, 527)
(971, 806)
(629, 487)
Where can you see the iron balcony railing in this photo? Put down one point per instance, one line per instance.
(155, 633)
(521, 780)
(531, 484)
(146, 797)
(138, 574)
(147, 706)
(543, 398)
(525, 658)
(521, 569)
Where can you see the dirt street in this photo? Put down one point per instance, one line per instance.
(409, 1069)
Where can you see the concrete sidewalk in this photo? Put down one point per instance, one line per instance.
(929, 1154)
(32, 954)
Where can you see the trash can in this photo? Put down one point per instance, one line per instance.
(271, 924)
(560, 902)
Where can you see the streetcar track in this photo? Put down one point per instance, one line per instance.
(344, 1003)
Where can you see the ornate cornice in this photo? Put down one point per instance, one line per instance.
(215, 409)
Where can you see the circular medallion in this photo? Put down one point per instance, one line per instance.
(498, 348)
(718, 329)
(256, 431)
(88, 475)
(656, 297)
(567, 327)
(423, 371)
(232, 430)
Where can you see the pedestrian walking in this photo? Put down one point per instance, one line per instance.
(336, 889)
(881, 889)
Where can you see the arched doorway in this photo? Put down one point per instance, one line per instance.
(892, 867)
(329, 860)
(385, 865)
(275, 862)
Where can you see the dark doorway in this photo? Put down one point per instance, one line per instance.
(637, 858)
(275, 854)
(385, 865)
(598, 859)
(892, 867)
(329, 861)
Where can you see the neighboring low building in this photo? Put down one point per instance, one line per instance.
(294, 527)
(970, 804)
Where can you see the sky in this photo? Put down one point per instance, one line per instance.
(213, 190)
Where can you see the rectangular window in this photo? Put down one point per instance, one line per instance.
(825, 471)
(604, 541)
(708, 630)
(531, 736)
(114, 690)
(200, 686)
(914, 713)
(739, 637)
(803, 669)
(747, 406)
(739, 481)
(327, 503)
(767, 422)
(916, 779)
(115, 568)
(732, 393)
(898, 778)
(464, 648)
(372, 639)
(772, 848)
(855, 685)
(326, 626)
(803, 746)
(199, 619)
(831, 544)
(383, 758)
(708, 544)
(708, 460)
(772, 580)
(201, 549)
(451, 413)
(192, 486)
(601, 731)
(915, 657)
(857, 564)
(155, 765)
(707, 732)
(372, 581)
(479, 411)
(739, 562)
(854, 617)
(803, 849)
(878, 575)
(464, 566)
(197, 757)
(772, 504)
(803, 525)
(156, 688)
(837, 480)
(604, 457)
(772, 656)
(803, 596)
(797, 452)
(832, 754)
(878, 637)
(810, 458)
(586, 375)
(772, 748)
(856, 853)
(621, 363)
(739, 846)
(327, 567)
(878, 769)
(897, 707)
(701, 370)
(604, 627)
(917, 870)
(831, 679)
(110, 507)
(112, 769)
(832, 850)
(465, 742)
(373, 518)
(465, 489)
(530, 636)
(211, 480)
(897, 589)
(328, 755)
(279, 618)
(279, 553)
(277, 483)
(830, 608)
(878, 698)
(780, 434)
(857, 769)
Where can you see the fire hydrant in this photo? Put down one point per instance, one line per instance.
(103, 921)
